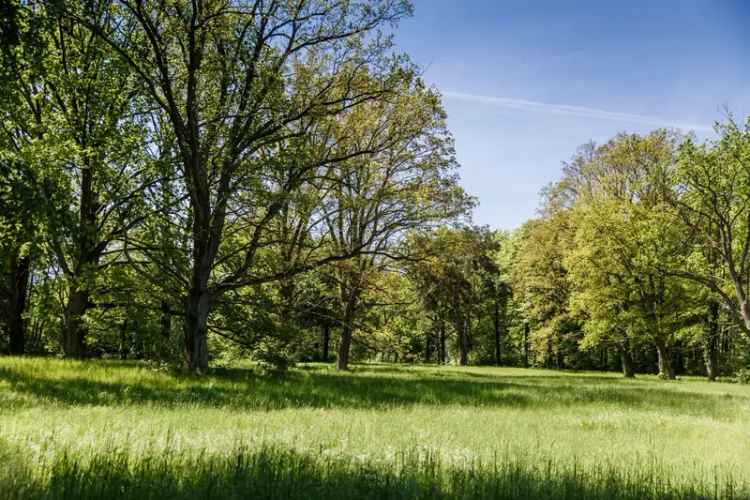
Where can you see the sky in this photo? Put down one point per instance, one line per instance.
(526, 82)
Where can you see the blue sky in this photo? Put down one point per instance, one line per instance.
(526, 82)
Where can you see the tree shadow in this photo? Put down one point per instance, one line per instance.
(364, 388)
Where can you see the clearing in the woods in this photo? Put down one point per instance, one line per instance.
(105, 429)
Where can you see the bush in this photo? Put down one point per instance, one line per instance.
(742, 376)
(275, 355)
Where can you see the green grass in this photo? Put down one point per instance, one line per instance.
(111, 429)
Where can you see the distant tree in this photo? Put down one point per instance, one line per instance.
(451, 278)
(406, 185)
(542, 288)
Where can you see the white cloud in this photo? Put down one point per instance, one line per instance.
(579, 111)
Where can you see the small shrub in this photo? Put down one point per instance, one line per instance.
(742, 376)
(274, 355)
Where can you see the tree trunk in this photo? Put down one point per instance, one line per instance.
(20, 272)
(351, 299)
(197, 307)
(74, 330)
(626, 360)
(86, 259)
(496, 324)
(711, 341)
(428, 348)
(463, 343)
(342, 361)
(526, 343)
(326, 341)
(441, 325)
(124, 339)
(666, 371)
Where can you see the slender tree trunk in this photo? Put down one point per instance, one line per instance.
(496, 324)
(342, 361)
(711, 341)
(20, 272)
(666, 371)
(463, 343)
(526, 343)
(124, 339)
(442, 341)
(428, 348)
(326, 341)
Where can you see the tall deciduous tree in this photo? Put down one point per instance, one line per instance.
(409, 182)
(625, 242)
(75, 108)
(236, 81)
(712, 196)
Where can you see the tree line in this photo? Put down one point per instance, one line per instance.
(271, 179)
(642, 249)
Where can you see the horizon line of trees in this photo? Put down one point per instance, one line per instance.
(642, 250)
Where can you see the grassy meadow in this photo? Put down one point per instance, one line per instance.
(107, 429)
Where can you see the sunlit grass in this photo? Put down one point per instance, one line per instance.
(425, 426)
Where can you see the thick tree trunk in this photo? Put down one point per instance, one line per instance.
(20, 272)
(198, 300)
(711, 341)
(345, 344)
(626, 360)
(74, 330)
(326, 341)
(86, 258)
(666, 371)
(197, 308)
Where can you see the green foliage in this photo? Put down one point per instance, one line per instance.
(542, 288)
(742, 376)
(454, 276)
(274, 354)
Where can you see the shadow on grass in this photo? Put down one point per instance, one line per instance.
(365, 388)
(284, 474)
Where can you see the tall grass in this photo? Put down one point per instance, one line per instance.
(283, 474)
(127, 430)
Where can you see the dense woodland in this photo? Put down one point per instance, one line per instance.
(194, 182)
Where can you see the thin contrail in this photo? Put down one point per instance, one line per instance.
(580, 111)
